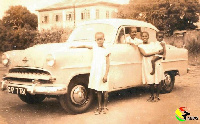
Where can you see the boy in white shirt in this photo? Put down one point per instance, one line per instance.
(132, 40)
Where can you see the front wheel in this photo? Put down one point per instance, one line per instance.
(79, 97)
(32, 99)
(168, 83)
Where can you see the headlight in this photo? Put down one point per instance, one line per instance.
(50, 60)
(5, 59)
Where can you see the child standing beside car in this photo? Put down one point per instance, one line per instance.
(159, 37)
(148, 52)
(99, 72)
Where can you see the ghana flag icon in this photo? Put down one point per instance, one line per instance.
(179, 115)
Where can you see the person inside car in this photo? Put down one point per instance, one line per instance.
(131, 39)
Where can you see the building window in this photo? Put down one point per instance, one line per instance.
(57, 18)
(88, 14)
(107, 14)
(82, 16)
(85, 15)
(70, 16)
(97, 14)
(46, 19)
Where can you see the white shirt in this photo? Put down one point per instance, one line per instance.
(135, 41)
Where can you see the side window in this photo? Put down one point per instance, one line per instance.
(127, 30)
(124, 34)
(138, 32)
(121, 36)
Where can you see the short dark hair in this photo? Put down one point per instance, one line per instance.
(143, 33)
(160, 32)
(130, 29)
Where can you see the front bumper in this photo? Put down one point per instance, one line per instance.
(36, 88)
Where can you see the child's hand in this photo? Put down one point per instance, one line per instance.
(163, 58)
(160, 52)
(105, 79)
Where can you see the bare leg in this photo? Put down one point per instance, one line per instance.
(105, 94)
(151, 98)
(105, 102)
(153, 61)
(153, 66)
(158, 87)
(99, 97)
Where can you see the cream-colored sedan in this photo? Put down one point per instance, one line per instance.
(56, 70)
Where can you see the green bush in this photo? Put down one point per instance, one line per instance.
(193, 44)
(191, 41)
(23, 38)
(17, 38)
(52, 36)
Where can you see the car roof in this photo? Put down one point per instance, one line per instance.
(121, 22)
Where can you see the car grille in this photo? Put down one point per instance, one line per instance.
(25, 74)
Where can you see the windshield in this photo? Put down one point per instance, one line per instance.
(87, 32)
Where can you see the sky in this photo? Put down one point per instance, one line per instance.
(33, 5)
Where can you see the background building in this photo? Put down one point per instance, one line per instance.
(72, 12)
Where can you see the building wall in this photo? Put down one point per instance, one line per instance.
(65, 18)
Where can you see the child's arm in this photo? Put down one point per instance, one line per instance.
(107, 68)
(132, 43)
(82, 46)
(142, 51)
(164, 50)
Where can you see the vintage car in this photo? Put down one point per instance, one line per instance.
(57, 70)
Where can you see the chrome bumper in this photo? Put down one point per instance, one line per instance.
(46, 89)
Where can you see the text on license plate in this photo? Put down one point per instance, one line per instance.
(17, 90)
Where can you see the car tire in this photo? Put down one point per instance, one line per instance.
(168, 84)
(79, 97)
(32, 99)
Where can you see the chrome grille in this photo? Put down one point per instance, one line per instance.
(28, 70)
(25, 74)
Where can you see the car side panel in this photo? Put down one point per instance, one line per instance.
(125, 66)
(176, 59)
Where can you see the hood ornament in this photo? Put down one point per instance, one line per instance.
(25, 60)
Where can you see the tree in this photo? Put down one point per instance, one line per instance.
(18, 17)
(17, 28)
(181, 16)
(165, 15)
(2, 31)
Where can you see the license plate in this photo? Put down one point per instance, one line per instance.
(16, 90)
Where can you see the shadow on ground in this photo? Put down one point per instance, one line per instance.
(51, 106)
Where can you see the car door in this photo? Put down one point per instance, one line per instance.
(125, 64)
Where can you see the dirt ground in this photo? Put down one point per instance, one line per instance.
(127, 106)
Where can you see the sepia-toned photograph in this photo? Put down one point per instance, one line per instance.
(99, 61)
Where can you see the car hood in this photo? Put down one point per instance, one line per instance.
(36, 56)
(47, 48)
(56, 47)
